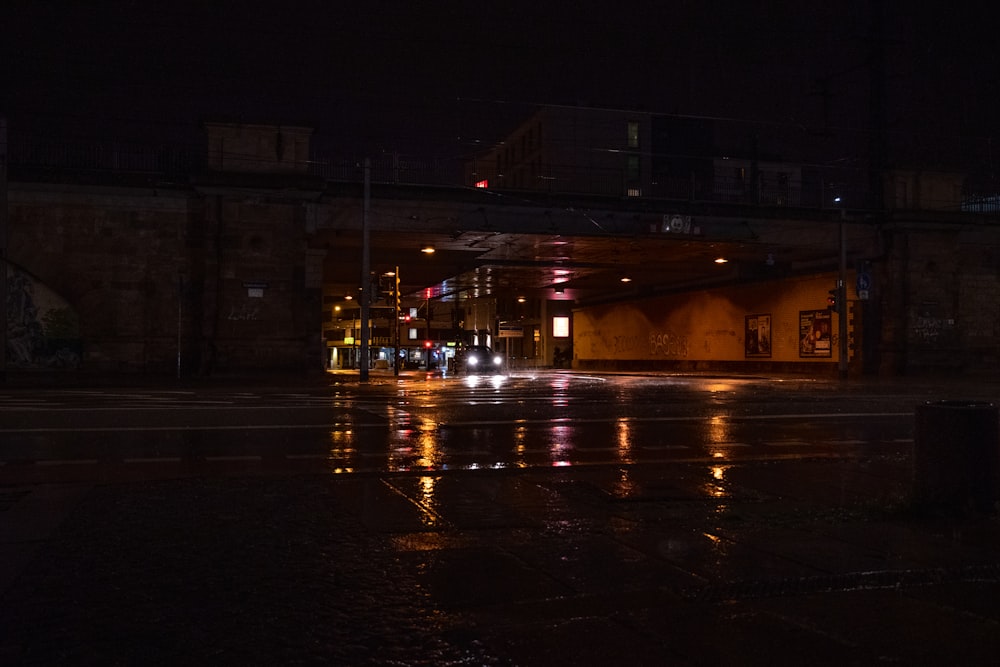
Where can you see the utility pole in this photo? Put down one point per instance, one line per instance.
(877, 91)
(843, 310)
(366, 288)
(427, 341)
(180, 320)
(3, 250)
(396, 308)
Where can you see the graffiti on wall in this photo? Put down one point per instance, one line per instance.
(668, 344)
(42, 329)
(654, 344)
(243, 313)
(718, 339)
(931, 330)
(625, 344)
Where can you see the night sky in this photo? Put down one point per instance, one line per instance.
(446, 77)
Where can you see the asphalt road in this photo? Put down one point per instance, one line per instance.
(420, 422)
(542, 518)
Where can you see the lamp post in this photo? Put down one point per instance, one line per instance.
(842, 350)
(3, 250)
(366, 289)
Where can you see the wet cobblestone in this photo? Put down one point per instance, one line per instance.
(224, 571)
(509, 568)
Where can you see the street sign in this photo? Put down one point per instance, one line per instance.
(864, 285)
(255, 290)
(510, 332)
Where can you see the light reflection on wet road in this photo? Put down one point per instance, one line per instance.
(630, 516)
(428, 424)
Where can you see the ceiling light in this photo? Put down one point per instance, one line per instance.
(427, 250)
(521, 299)
(721, 260)
(626, 279)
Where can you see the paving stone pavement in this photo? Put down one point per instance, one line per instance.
(817, 562)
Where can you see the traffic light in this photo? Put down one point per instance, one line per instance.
(384, 289)
(832, 301)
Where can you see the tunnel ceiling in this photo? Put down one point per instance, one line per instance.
(584, 268)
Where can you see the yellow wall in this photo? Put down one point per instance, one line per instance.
(707, 325)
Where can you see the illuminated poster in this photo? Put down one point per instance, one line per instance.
(815, 329)
(757, 335)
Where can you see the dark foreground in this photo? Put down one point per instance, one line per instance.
(531, 519)
(797, 562)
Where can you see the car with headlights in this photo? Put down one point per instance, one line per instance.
(479, 359)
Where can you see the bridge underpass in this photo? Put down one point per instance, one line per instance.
(501, 261)
(491, 246)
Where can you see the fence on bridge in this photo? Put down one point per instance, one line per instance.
(47, 159)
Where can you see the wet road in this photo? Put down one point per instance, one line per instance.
(426, 423)
(529, 519)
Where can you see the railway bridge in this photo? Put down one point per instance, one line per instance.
(118, 264)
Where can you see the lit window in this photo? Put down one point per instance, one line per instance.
(633, 134)
(560, 327)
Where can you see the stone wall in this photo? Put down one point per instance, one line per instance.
(939, 290)
(114, 255)
(156, 275)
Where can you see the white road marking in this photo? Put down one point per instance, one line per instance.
(144, 429)
(454, 424)
(66, 462)
(233, 458)
(154, 459)
(685, 418)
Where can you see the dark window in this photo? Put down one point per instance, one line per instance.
(632, 168)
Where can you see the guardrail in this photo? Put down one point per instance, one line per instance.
(30, 156)
(102, 156)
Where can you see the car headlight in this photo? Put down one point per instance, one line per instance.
(472, 361)
(497, 360)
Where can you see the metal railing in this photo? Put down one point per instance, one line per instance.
(39, 157)
(103, 156)
(390, 168)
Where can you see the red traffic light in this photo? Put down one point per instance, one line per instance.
(832, 301)
(427, 343)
